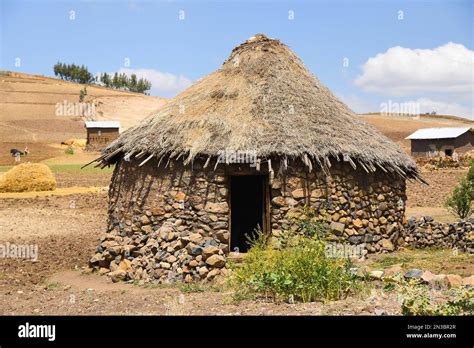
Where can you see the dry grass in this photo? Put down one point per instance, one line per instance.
(262, 99)
(28, 177)
(438, 261)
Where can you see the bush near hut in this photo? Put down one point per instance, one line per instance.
(300, 271)
(28, 177)
(463, 194)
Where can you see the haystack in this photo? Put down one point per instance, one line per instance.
(253, 144)
(28, 177)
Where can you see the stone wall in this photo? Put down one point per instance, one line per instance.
(425, 232)
(173, 224)
(362, 208)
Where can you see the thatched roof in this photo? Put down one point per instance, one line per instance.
(262, 99)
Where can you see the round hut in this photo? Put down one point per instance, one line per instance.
(251, 144)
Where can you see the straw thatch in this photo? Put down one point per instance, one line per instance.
(262, 99)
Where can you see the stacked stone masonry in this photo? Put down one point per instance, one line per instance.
(172, 224)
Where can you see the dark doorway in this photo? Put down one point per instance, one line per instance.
(248, 209)
(448, 152)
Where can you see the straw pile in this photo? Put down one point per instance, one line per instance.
(28, 177)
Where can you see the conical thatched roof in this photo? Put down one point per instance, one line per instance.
(262, 99)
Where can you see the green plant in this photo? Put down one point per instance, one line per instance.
(460, 201)
(299, 271)
(417, 301)
(69, 151)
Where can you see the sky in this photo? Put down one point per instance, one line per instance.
(375, 55)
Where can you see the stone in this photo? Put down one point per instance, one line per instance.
(298, 193)
(117, 275)
(216, 261)
(165, 265)
(125, 265)
(209, 251)
(222, 236)
(212, 274)
(337, 228)
(145, 220)
(357, 223)
(195, 238)
(220, 208)
(381, 197)
(383, 220)
(376, 274)
(414, 273)
(454, 280)
(387, 244)
(180, 196)
(203, 271)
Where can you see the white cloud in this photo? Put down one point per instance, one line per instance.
(356, 103)
(448, 69)
(163, 84)
(444, 108)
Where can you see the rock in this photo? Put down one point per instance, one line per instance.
(381, 198)
(379, 311)
(468, 281)
(209, 251)
(203, 271)
(337, 228)
(298, 193)
(117, 275)
(221, 208)
(222, 236)
(414, 273)
(387, 244)
(125, 265)
(454, 280)
(376, 274)
(145, 220)
(180, 196)
(357, 223)
(428, 277)
(283, 202)
(216, 261)
(383, 220)
(212, 274)
(165, 265)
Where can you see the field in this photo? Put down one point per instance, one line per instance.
(29, 112)
(67, 223)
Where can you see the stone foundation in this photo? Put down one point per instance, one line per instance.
(172, 224)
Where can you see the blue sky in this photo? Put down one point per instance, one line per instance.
(369, 53)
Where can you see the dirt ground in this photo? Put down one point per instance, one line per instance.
(66, 229)
(66, 237)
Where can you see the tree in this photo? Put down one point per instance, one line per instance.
(461, 199)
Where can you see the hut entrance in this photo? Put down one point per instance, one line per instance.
(248, 204)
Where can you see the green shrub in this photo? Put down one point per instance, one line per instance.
(416, 301)
(69, 151)
(298, 271)
(460, 201)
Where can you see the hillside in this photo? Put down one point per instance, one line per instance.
(398, 127)
(29, 113)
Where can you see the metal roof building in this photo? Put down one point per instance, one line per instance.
(438, 141)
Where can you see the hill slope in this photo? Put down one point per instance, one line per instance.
(28, 112)
(398, 127)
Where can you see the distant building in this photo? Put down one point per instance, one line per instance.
(101, 133)
(441, 141)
